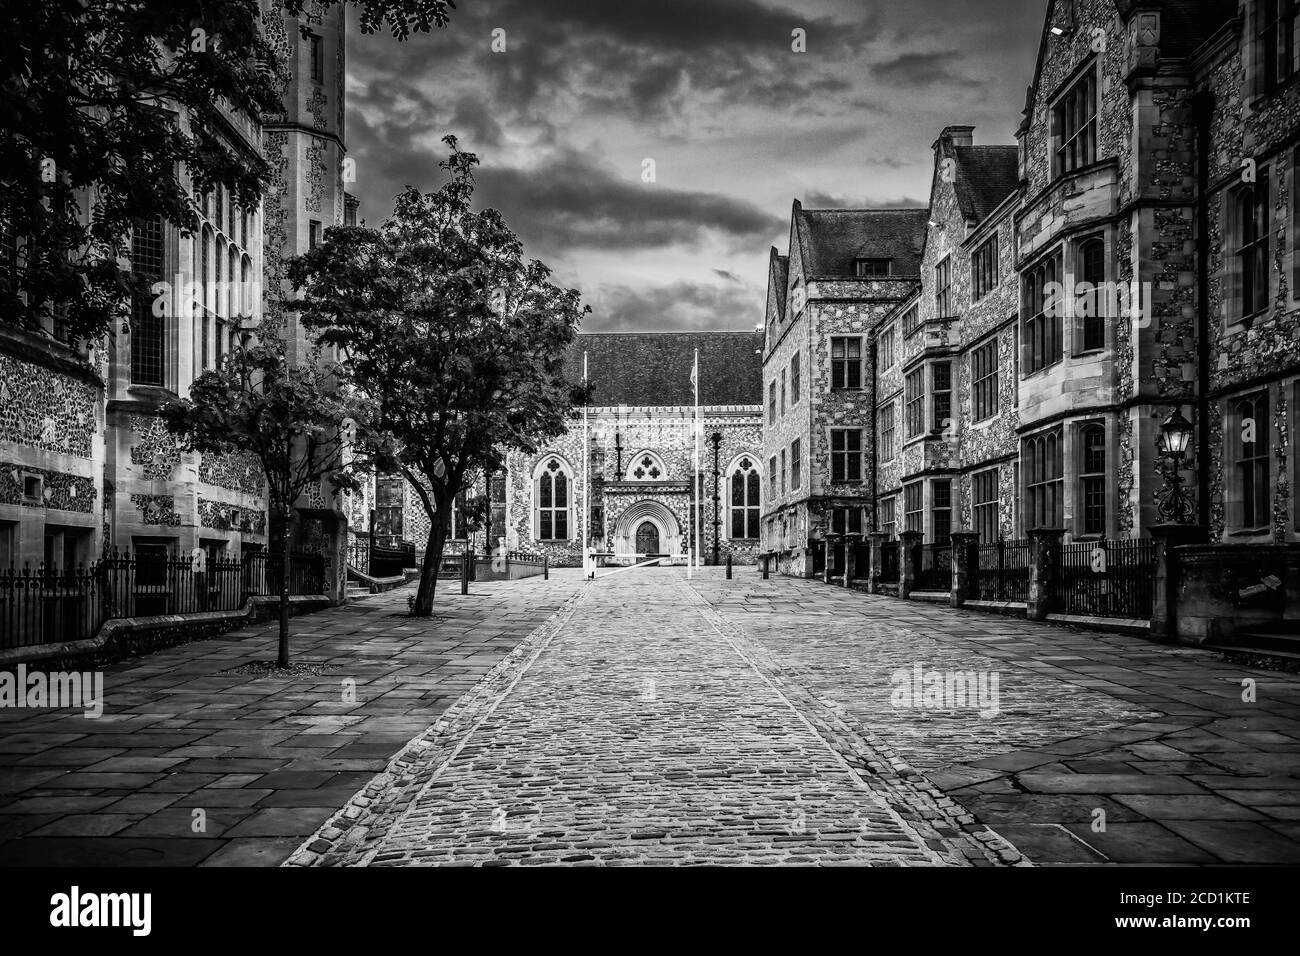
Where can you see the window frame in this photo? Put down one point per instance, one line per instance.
(1252, 472)
(986, 504)
(1043, 333)
(1074, 118)
(914, 404)
(843, 458)
(1091, 478)
(542, 510)
(1044, 455)
(846, 368)
(985, 269)
(943, 287)
(985, 375)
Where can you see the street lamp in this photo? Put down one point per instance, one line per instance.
(1173, 503)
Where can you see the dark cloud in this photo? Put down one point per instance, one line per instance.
(917, 70)
(678, 305)
(711, 88)
(815, 199)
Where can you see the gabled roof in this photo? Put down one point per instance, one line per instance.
(986, 175)
(654, 368)
(830, 240)
(778, 280)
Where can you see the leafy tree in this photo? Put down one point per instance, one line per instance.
(456, 339)
(294, 418)
(84, 91)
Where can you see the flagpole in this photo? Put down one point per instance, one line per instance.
(698, 463)
(586, 479)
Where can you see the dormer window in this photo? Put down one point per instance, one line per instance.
(873, 268)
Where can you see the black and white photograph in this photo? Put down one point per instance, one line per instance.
(693, 434)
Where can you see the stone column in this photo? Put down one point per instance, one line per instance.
(831, 542)
(963, 543)
(850, 557)
(1164, 587)
(908, 542)
(1044, 566)
(877, 539)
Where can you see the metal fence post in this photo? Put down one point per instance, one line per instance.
(464, 572)
(728, 567)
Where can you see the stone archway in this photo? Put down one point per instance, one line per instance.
(632, 536)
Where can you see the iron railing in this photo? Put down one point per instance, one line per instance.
(1105, 579)
(933, 567)
(889, 561)
(999, 571)
(359, 555)
(49, 605)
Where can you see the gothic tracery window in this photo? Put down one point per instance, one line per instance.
(745, 499)
(553, 493)
(646, 467)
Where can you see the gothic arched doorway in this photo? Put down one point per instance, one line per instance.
(647, 538)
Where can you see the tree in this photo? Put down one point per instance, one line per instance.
(457, 341)
(85, 88)
(294, 418)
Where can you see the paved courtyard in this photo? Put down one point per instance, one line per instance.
(645, 718)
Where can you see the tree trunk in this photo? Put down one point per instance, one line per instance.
(283, 659)
(429, 569)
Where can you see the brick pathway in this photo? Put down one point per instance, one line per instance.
(1154, 741)
(266, 759)
(639, 727)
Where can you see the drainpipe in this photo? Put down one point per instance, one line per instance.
(1203, 110)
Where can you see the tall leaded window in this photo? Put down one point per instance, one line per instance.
(941, 510)
(553, 501)
(911, 321)
(1074, 124)
(984, 504)
(943, 288)
(1276, 42)
(984, 270)
(941, 394)
(796, 466)
(745, 499)
(1092, 298)
(147, 329)
(771, 402)
(1250, 444)
(984, 381)
(1042, 340)
(782, 391)
(1092, 478)
(914, 403)
(1248, 244)
(887, 432)
(888, 516)
(846, 363)
(913, 505)
(846, 454)
(885, 350)
(794, 379)
(1044, 480)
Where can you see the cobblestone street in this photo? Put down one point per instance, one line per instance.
(748, 721)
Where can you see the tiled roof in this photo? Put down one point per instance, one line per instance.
(986, 175)
(654, 368)
(831, 239)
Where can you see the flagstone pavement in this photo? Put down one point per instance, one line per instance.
(645, 718)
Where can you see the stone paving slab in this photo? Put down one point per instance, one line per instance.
(636, 730)
(1157, 738)
(265, 759)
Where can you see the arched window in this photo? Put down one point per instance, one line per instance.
(1043, 480)
(553, 492)
(245, 289)
(744, 498)
(646, 466)
(1092, 478)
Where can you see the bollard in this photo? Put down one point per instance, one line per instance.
(464, 573)
(765, 561)
(728, 567)
(546, 567)
(473, 565)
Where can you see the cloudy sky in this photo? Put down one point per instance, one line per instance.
(736, 123)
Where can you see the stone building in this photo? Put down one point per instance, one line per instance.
(641, 429)
(844, 272)
(86, 464)
(945, 357)
(1132, 256)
